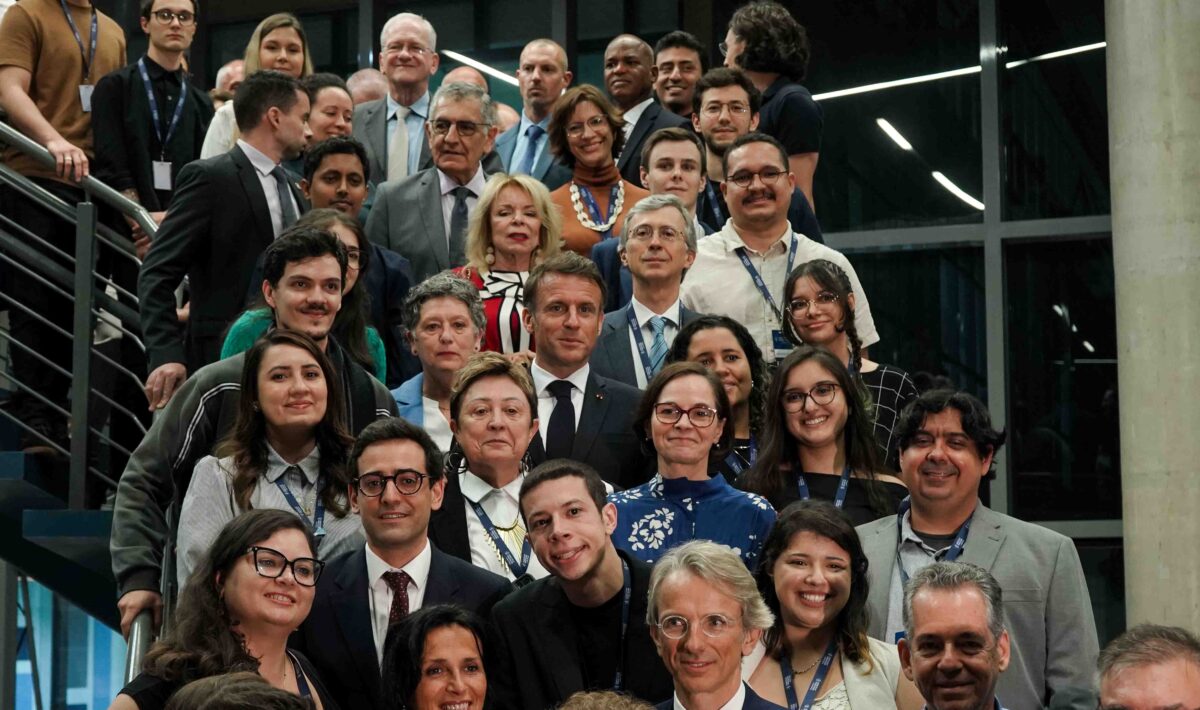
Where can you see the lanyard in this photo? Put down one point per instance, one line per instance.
(301, 683)
(318, 521)
(839, 500)
(952, 553)
(517, 569)
(789, 684)
(641, 342)
(626, 596)
(758, 280)
(594, 209)
(162, 140)
(711, 193)
(735, 461)
(86, 57)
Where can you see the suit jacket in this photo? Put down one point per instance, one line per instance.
(537, 657)
(652, 119)
(752, 702)
(409, 402)
(618, 281)
(407, 218)
(337, 636)
(217, 225)
(552, 173)
(613, 356)
(1047, 608)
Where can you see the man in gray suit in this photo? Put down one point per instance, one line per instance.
(947, 444)
(424, 216)
(658, 243)
(525, 148)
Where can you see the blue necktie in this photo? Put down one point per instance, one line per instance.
(532, 135)
(658, 348)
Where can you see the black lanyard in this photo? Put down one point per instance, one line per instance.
(952, 553)
(758, 280)
(318, 521)
(839, 500)
(301, 681)
(517, 569)
(789, 683)
(626, 596)
(641, 342)
(154, 115)
(87, 57)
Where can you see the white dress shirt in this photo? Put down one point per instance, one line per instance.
(501, 507)
(263, 165)
(632, 115)
(735, 703)
(381, 594)
(546, 401)
(475, 185)
(414, 123)
(643, 315)
(436, 424)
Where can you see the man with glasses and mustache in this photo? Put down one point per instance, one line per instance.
(740, 271)
(398, 481)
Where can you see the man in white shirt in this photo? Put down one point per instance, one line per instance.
(740, 270)
(629, 81)
(398, 482)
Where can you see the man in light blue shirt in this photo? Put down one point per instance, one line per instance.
(542, 75)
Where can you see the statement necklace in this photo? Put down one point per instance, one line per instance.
(614, 209)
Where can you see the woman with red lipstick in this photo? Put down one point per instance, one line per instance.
(434, 661)
(513, 227)
(587, 134)
(250, 591)
(818, 298)
(813, 577)
(817, 441)
(287, 451)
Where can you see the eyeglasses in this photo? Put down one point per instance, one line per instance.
(466, 129)
(716, 108)
(645, 233)
(768, 177)
(800, 305)
(595, 123)
(724, 47)
(354, 258)
(271, 564)
(407, 481)
(168, 16)
(821, 393)
(414, 49)
(700, 416)
(712, 626)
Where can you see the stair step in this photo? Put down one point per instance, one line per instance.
(80, 536)
(24, 485)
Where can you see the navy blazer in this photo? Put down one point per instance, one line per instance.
(652, 119)
(752, 702)
(337, 636)
(547, 168)
(613, 356)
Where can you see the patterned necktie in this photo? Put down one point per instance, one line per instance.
(532, 135)
(658, 348)
(458, 226)
(287, 208)
(397, 165)
(398, 581)
(560, 435)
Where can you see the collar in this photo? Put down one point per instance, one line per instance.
(700, 233)
(732, 240)
(632, 115)
(417, 568)
(420, 107)
(475, 489)
(775, 87)
(737, 702)
(526, 122)
(683, 488)
(310, 465)
(261, 162)
(644, 314)
(542, 379)
(157, 71)
(908, 535)
(475, 184)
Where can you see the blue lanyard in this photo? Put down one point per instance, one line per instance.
(641, 342)
(318, 521)
(758, 280)
(162, 140)
(87, 58)
(594, 209)
(711, 192)
(627, 595)
(734, 460)
(952, 553)
(789, 683)
(301, 682)
(517, 569)
(839, 500)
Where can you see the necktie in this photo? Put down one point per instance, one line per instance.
(532, 135)
(658, 348)
(397, 165)
(458, 226)
(287, 208)
(560, 435)
(398, 581)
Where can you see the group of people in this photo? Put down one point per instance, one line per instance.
(573, 413)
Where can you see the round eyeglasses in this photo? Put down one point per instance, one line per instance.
(821, 393)
(700, 416)
(271, 564)
(798, 306)
(711, 625)
(372, 485)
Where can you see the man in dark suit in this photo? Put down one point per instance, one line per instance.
(629, 80)
(225, 211)
(525, 148)
(582, 415)
(424, 217)
(398, 482)
(584, 627)
(658, 243)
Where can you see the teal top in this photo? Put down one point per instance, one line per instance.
(250, 326)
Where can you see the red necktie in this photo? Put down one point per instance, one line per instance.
(398, 581)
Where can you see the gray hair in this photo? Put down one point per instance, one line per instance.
(654, 203)
(443, 285)
(955, 575)
(718, 565)
(1149, 644)
(462, 91)
(401, 17)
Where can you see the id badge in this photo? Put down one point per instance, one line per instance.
(780, 344)
(899, 635)
(85, 97)
(162, 175)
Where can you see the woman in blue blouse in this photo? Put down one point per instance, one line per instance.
(683, 416)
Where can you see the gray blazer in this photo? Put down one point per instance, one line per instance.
(370, 128)
(407, 218)
(613, 356)
(1047, 608)
(552, 173)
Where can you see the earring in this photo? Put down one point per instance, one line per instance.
(490, 257)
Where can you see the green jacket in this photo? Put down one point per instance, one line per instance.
(250, 326)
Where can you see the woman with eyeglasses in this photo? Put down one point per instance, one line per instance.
(818, 442)
(287, 450)
(819, 299)
(434, 660)
(587, 134)
(250, 590)
(684, 419)
(350, 325)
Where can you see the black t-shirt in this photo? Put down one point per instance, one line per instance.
(858, 503)
(598, 633)
(937, 543)
(792, 117)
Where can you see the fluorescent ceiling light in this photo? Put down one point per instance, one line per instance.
(1088, 347)
(892, 133)
(957, 191)
(1058, 309)
(1056, 55)
(480, 66)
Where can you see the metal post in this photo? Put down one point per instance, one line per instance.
(85, 258)
(8, 634)
(35, 676)
(564, 28)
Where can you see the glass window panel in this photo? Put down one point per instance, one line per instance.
(655, 17)
(600, 21)
(513, 23)
(1103, 562)
(1062, 378)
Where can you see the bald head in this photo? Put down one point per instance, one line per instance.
(628, 71)
(466, 75)
(367, 85)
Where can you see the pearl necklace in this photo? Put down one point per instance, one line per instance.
(585, 220)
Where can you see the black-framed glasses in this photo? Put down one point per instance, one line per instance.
(595, 123)
(271, 564)
(645, 233)
(800, 305)
(700, 416)
(168, 16)
(466, 129)
(768, 176)
(821, 393)
(711, 625)
(407, 481)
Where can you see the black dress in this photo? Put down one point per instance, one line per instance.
(891, 389)
(857, 505)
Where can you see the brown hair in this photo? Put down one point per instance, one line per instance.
(669, 373)
(266, 27)
(561, 115)
(566, 263)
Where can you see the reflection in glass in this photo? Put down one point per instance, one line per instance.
(1103, 562)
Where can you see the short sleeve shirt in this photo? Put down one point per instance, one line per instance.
(792, 117)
